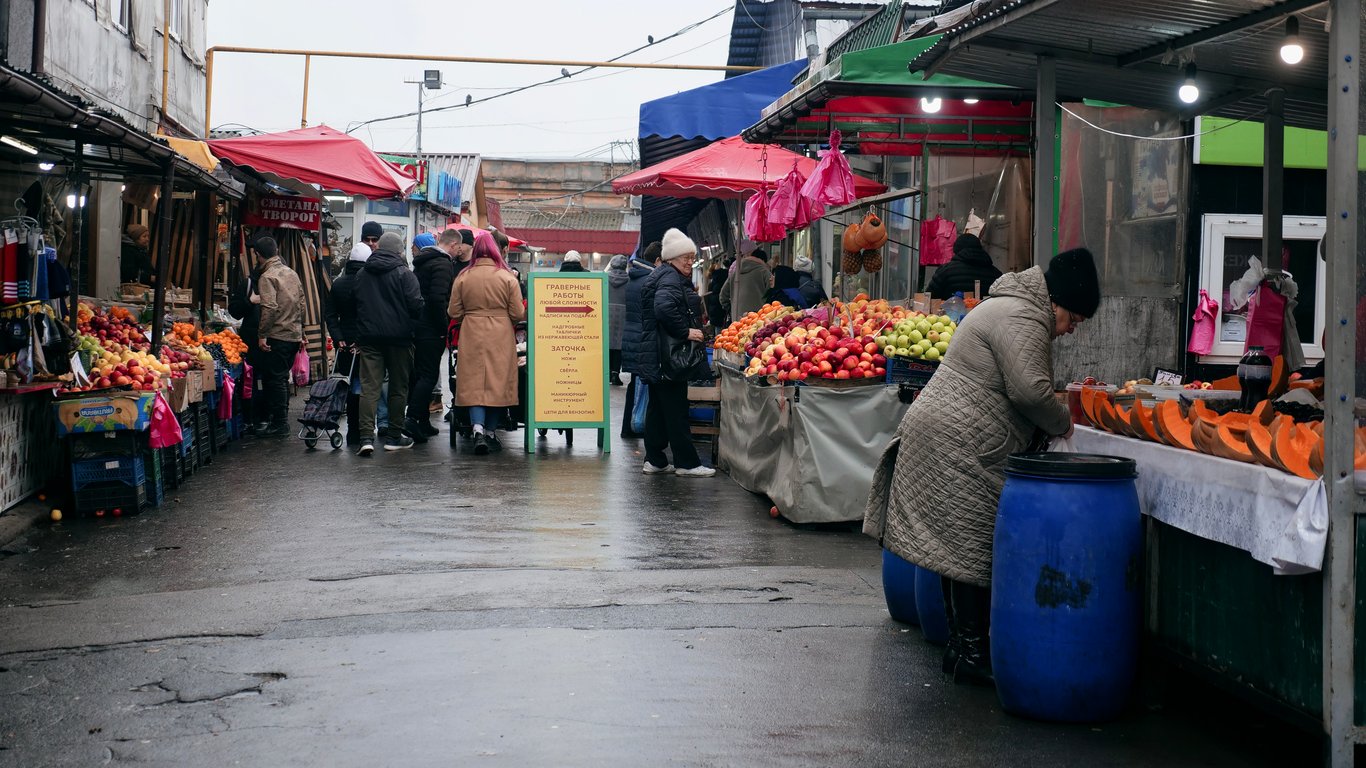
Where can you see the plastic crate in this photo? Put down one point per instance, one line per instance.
(110, 499)
(93, 445)
(211, 401)
(203, 436)
(128, 470)
(220, 434)
(917, 373)
(156, 478)
(172, 467)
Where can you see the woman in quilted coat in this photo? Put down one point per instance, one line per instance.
(990, 396)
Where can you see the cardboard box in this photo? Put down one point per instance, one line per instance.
(211, 380)
(177, 395)
(105, 413)
(195, 382)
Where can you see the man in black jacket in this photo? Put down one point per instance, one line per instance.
(387, 302)
(243, 308)
(435, 272)
(971, 265)
(340, 315)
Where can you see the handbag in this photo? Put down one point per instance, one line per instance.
(642, 403)
(678, 358)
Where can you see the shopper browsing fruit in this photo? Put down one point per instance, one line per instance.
(987, 400)
(281, 332)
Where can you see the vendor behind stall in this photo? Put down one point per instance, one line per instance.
(135, 260)
(988, 399)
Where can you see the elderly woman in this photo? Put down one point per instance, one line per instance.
(988, 399)
(671, 316)
(486, 300)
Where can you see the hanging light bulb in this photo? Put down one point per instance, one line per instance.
(931, 105)
(1292, 51)
(45, 167)
(1189, 91)
(971, 101)
(71, 201)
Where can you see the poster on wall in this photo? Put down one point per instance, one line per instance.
(1156, 176)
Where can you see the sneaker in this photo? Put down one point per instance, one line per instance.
(697, 471)
(651, 469)
(367, 447)
(413, 429)
(279, 430)
(495, 445)
(397, 443)
(429, 428)
(616, 380)
(481, 444)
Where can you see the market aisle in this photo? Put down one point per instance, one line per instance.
(429, 608)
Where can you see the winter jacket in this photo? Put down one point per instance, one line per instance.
(637, 274)
(990, 394)
(340, 312)
(388, 301)
(617, 280)
(753, 279)
(135, 263)
(970, 263)
(669, 307)
(435, 273)
(282, 302)
(486, 301)
(811, 290)
(572, 266)
(716, 314)
(791, 297)
(241, 307)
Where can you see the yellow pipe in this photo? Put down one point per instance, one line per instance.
(208, 90)
(165, 57)
(303, 117)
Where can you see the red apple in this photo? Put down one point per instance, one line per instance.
(850, 363)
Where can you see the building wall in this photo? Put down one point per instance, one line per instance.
(511, 181)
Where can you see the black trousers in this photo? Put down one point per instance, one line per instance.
(614, 361)
(274, 375)
(426, 373)
(666, 426)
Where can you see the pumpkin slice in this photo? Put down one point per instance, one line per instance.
(1204, 434)
(1200, 410)
(1291, 444)
(1088, 406)
(1175, 430)
(1264, 412)
(1236, 422)
(1122, 422)
(1226, 384)
(1233, 446)
(1105, 411)
(1280, 378)
(1359, 452)
(1258, 440)
(1141, 422)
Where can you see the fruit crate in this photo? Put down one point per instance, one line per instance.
(219, 428)
(236, 425)
(172, 466)
(203, 436)
(94, 445)
(917, 373)
(156, 478)
(128, 470)
(110, 499)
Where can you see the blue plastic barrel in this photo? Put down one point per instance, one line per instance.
(929, 605)
(898, 586)
(1066, 586)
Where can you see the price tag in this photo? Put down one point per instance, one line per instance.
(1165, 378)
(111, 464)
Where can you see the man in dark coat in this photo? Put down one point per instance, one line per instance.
(971, 265)
(435, 271)
(243, 308)
(639, 269)
(340, 315)
(716, 314)
(807, 285)
(388, 301)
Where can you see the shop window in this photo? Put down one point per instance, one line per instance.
(1227, 245)
(122, 12)
(387, 207)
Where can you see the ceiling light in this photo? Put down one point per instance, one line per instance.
(17, 144)
(971, 101)
(71, 201)
(46, 166)
(1189, 91)
(931, 105)
(1292, 51)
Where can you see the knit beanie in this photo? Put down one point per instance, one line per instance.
(1073, 283)
(135, 231)
(467, 236)
(573, 256)
(371, 229)
(425, 240)
(359, 252)
(676, 244)
(802, 264)
(390, 242)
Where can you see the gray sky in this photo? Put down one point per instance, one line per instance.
(574, 117)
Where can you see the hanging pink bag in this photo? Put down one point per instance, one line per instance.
(1206, 324)
(300, 371)
(248, 380)
(225, 398)
(164, 429)
(758, 227)
(832, 183)
(788, 207)
(1266, 313)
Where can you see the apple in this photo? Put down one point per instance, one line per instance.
(841, 353)
(942, 346)
(865, 357)
(916, 350)
(879, 360)
(903, 351)
(880, 371)
(915, 336)
(841, 374)
(850, 363)
(932, 354)
(905, 341)
(871, 347)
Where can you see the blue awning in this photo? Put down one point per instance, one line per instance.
(720, 109)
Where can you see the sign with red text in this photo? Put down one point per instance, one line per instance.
(284, 211)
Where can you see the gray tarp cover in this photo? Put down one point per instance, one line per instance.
(811, 450)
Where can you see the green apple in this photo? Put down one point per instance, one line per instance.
(902, 351)
(946, 336)
(932, 354)
(916, 350)
(904, 341)
(936, 327)
(923, 326)
(932, 337)
(882, 342)
(942, 346)
(916, 337)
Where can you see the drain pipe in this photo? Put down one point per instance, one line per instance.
(39, 37)
(165, 57)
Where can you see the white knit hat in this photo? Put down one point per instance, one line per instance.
(676, 244)
(359, 252)
(802, 264)
(573, 256)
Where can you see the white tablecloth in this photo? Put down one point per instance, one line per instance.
(1280, 519)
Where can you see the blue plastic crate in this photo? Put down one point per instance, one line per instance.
(211, 401)
(112, 499)
(128, 470)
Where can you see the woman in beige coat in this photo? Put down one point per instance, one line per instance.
(486, 301)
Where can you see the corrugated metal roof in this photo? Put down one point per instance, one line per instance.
(878, 29)
(582, 219)
(1114, 50)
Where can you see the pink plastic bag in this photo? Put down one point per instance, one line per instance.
(164, 429)
(788, 207)
(758, 227)
(1206, 324)
(248, 380)
(1266, 313)
(225, 398)
(301, 365)
(832, 183)
(936, 241)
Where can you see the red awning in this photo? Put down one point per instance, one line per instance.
(729, 168)
(585, 240)
(321, 155)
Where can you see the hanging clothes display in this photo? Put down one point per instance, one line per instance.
(936, 241)
(9, 268)
(832, 183)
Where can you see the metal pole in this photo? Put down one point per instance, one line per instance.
(203, 231)
(1045, 134)
(303, 116)
(165, 56)
(419, 123)
(163, 252)
(1273, 181)
(208, 91)
(77, 248)
(1344, 506)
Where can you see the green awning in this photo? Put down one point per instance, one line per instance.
(886, 65)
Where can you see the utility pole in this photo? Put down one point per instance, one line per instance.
(431, 79)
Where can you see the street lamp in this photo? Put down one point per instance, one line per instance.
(431, 80)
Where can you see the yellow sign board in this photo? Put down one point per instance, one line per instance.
(567, 352)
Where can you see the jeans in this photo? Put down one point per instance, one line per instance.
(666, 426)
(376, 361)
(426, 373)
(273, 373)
(485, 417)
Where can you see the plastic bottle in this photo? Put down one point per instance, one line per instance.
(956, 308)
(1254, 378)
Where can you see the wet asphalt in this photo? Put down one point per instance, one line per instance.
(433, 607)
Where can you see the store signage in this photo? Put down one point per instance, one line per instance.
(410, 169)
(284, 211)
(567, 354)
